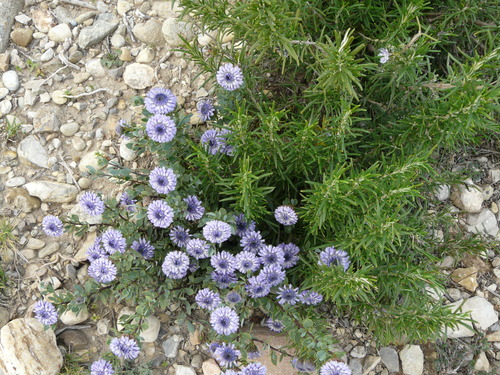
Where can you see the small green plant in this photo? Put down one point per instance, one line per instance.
(111, 60)
(7, 236)
(10, 130)
(73, 365)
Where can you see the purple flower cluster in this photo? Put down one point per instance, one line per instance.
(52, 226)
(180, 236)
(124, 347)
(45, 312)
(332, 257)
(95, 251)
(335, 368)
(227, 355)
(175, 265)
(208, 299)
(224, 320)
(215, 141)
(161, 128)
(194, 210)
(247, 261)
(288, 295)
(230, 77)
(197, 248)
(205, 109)
(163, 180)
(223, 262)
(255, 368)
(127, 202)
(217, 231)
(160, 214)
(274, 325)
(271, 255)
(160, 101)
(252, 241)
(242, 225)
(102, 270)
(113, 241)
(303, 366)
(285, 215)
(290, 252)
(101, 367)
(91, 203)
(143, 247)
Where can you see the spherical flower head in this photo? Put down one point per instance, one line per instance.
(227, 355)
(384, 55)
(180, 236)
(332, 257)
(288, 295)
(213, 346)
(113, 241)
(216, 231)
(208, 299)
(224, 147)
(242, 225)
(257, 287)
(143, 247)
(247, 261)
(274, 325)
(102, 270)
(163, 180)
(161, 128)
(197, 248)
(290, 252)
(211, 141)
(101, 367)
(205, 109)
(273, 275)
(230, 77)
(233, 297)
(252, 241)
(285, 215)
(52, 226)
(224, 320)
(310, 297)
(124, 347)
(160, 214)
(160, 101)
(45, 312)
(223, 279)
(175, 265)
(303, 366)
(127, 202)
(194, 210)
(254, 368)
(271, 255)
(223, 262)
(91, 203)
(335, 368)
(95, 251)
(253, 355)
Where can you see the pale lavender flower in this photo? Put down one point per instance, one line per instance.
(194, 210)
(161, 128)
(113, 241)
(124, 347)
(224, 320)
(45, 312)
(95, 251)
(223, 262)
(197, 248)
(285, 215)
(303, 366)
(230, 77)
(211, 141)
(119, 128)
(224, 147)
(257, 287)
(143, 247)
(52, 226)
(252, 241)
(332, 257)
(101, 367)
(160, 101)
(213, 347)
(205, 109)
(91, 203)
(272, 275)
(175, 265)
(253, 355)
(384, 55)
(163, 180)
(271, 255)
(223, 279)
(335, 368)
(208, 299)
(160, 214)
(275, 325)
(290, 252)
(310, 297)
(217, 231)
(227, 355)
(180, 236)
(242, 225)
(254, 368)
(127, 202)
(247, 261)
(288, 295)
(102, 270)
(233, 297)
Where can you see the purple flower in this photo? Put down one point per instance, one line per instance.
(332, 257)
(242, 226)
(180, 236)
(113, 241)
(272, 275)
(213, 346)
(160, 101)
(194, 210)
(335, 368)
(384, 55)
(124, 347)
(227, 355)
(223, 262)
(207, 299)
(254, 369)
(224, 147)
(161, 128)
(197, 248)
(205, 109)
(95, 251)
(45, 312)
(310, 297)
(230, 77)
(223, 279)
(290, 252)
(271, 255)
(52, 226)
(211, 141)
(143, 247)
(288, 295)
(257, 287)
(119, 128)
(285, 215)
(274, 325)
(163, 180)
(216, 231)
(252, 241)
(253, 355)
(233, 297)
(224, 320)
(102, 270)
(91, 203)
(101, 367)
(160, 214)
(303, 366)
(247, 261)
(175, 265)
(128, 202)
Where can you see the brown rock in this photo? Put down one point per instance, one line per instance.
(4, 61)
(194, 337)
(210, 367)
(476, 261)
(74, 339)
(495, 336)
(19, 198)
(467, 277)
(22, 37)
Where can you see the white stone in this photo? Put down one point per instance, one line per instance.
(412, 360)
(138, 76)
(5, 107)
(117, 41)
(494, 175)
(23, 18)
(468, 198)
(50, 191)
(210, 367)
(484, 222)
(15, 181)
(31, 151)
(184, 370)
(10, 80)
(84, 216)
(95, 68)
(27, 348)
(172, 29)
(58, 97)
(487, 192)
(47, 55)
(122, 7)
(480, 310)
(69, 129)
(145, 56)
(60, 33)
(70, 318)
(390, 358)
(443, 193)
(150, 334)
(125, 152)
(358, 352)
(90, 159)
(482, 363)
(3, 92)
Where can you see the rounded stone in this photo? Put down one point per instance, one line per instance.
(10, 80)
(117, 41)
(173, 29)
(60, 33)
(149, 32)
(58, 97)
(22, 37)
(138, 76)
(71, 318)
(69, 129)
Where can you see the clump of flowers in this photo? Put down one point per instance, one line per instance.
(52, 226)
(230, 77)
(45, 312)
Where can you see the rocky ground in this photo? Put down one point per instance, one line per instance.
(68, 74)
